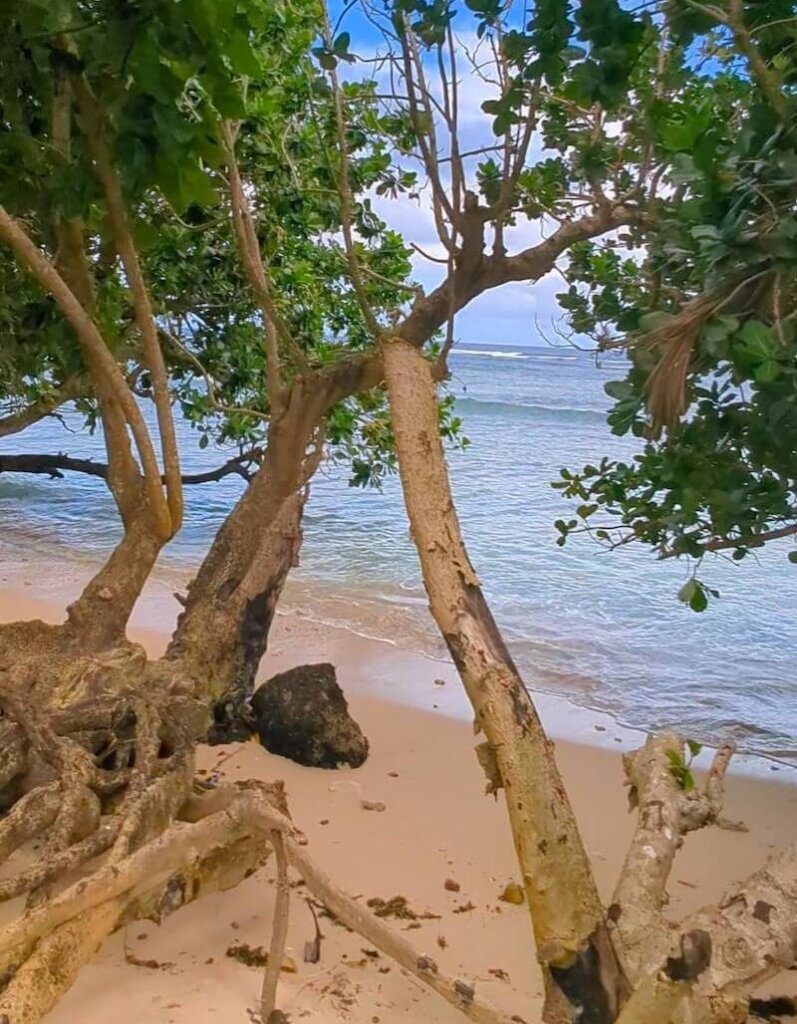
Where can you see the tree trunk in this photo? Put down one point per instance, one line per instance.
(222, 634)
(583, 977)
(101, 613)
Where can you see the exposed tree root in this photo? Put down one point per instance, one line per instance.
(102, 776)
(183, 863)
(108, 779)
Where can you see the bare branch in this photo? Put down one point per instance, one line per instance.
(279, 931)
(343, 184)
(55, 466)
(750, 938)
(249, 249)
(666, 812)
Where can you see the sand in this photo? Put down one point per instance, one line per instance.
(437, 826)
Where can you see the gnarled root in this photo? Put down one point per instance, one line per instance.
(42, 951)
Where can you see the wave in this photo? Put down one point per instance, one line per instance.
(556, 359)
(523, 409)
(489, 353)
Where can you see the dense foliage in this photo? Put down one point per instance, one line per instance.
(702, 296)
(167, 76)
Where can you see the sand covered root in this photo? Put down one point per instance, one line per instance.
(107, 787)
(42, 951)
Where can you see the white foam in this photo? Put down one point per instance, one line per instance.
(491, 353)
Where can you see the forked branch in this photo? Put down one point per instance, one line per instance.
(94, 128)
(666, 812)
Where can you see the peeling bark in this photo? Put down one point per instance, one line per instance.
(566, 913)
(665, 814)
(753, 937)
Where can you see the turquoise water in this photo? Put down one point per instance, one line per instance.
(605, 629)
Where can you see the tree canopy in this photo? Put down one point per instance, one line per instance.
(703, 303)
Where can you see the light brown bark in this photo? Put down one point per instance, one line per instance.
(94, 131)
(666, 813)
(566, 913)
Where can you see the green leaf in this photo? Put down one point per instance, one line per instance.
(694, 747)
(699, 600)
(687, 591)
(242, 54)
(652, 321)
(341, 44)
(619, 389)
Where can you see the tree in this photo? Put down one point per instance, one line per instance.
(705, 313)
(117, 120)
(222, 133)
(627, 963)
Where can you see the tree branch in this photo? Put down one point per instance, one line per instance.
(249, 249)
(13, 422)
(142, 305)
(279, 931)
(752, 540)
(107, 376)
(748, 938)
(343, 184)
(666, 812)
(55, 466)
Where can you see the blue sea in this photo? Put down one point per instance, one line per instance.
(604, 629)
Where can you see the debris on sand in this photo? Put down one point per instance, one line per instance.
(257, 956)
(513, 893)
(498, 972)
(398, 907)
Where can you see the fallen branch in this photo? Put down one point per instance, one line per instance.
(181, 864)
(456, 992)
(750, 939)
(279, 932)
(666, 812)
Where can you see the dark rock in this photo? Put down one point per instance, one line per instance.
(302, 714)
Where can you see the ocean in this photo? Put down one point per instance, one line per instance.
(604, 629)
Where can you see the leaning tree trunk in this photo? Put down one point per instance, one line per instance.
(583, 976)
(222, 633)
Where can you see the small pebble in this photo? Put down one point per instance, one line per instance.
(452, 885)
(439, 682)
(393, 775)
(513, 893)
(373, 805)
(599, 728)
(324, 821)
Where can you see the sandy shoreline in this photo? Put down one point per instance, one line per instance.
(436, 826)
